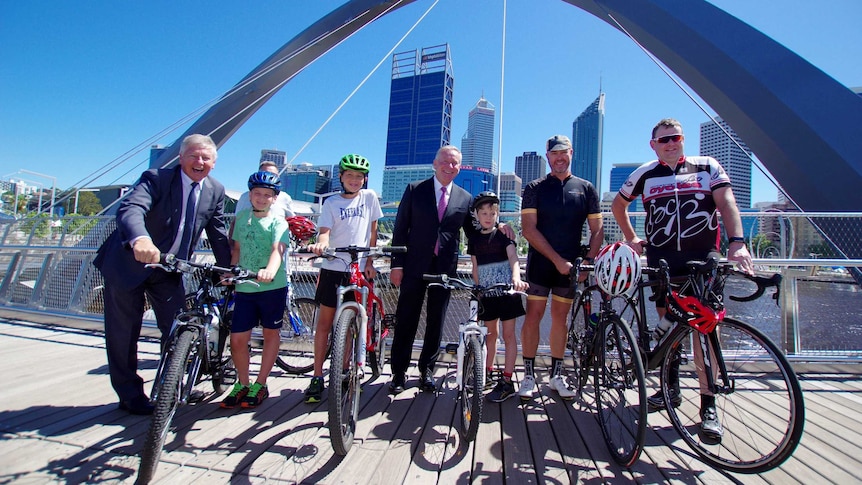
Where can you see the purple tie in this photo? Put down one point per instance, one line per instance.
(441, 209)
(441, 204)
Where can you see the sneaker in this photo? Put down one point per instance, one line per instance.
(711, 430)
(256, 394)
(314, 392)
(502, 391)
(237, 394)
(656, 401)
(489, 379)
(528, 386)
(558, 383)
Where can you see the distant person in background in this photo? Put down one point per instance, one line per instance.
(281, 207)
(681, 196)
(165, 212)
(553, 212)
(430, 217)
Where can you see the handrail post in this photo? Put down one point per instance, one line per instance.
(790, 311)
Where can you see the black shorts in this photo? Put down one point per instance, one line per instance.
(504, 307)
(327, 287)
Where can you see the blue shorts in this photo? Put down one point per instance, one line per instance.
(265, 309)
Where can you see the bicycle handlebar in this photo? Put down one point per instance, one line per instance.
(171, 263)
(453, 283)
(372, 252)
(722, 268)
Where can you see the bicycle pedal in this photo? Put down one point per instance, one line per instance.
(389, 320)
(452, 348)
(683, 360)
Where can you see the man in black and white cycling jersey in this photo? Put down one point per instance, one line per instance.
(683, 197)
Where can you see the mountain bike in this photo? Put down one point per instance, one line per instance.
(194, 350)
(360, 329)
(602, 344)
(470, 351)
(732, 360)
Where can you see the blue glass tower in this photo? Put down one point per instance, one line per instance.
(420, 115)
(587, 134)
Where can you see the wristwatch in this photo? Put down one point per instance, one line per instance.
(731, 240)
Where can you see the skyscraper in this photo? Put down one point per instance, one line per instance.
(420, 115)
(276, 156)
(530, 166)
(587, 135)
(619, 173)
(478, 171)
(732, 153)
(510, 193)
(302, 178)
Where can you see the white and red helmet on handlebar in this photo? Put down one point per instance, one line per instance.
(618, 269)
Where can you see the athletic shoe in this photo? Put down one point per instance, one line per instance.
(256, 394)
(710, 427)
(314, 392)
(528, 386)
(237, 394)
(559, 384)
(656, 401)
(502, 391)
(489, 379)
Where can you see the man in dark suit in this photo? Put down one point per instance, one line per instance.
(430, 228)
(151, 220)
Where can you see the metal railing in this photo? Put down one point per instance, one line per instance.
(47, 268)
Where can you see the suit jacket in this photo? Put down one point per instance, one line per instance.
(417, 227)
(154, 208)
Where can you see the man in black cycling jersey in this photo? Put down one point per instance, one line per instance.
(553, 212)
(682, 197)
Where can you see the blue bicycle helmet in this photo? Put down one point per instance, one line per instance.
(267, 180)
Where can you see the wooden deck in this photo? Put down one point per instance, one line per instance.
(60, 424)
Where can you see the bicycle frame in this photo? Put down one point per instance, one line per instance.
(473, 326)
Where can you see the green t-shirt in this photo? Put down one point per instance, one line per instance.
(256, 237)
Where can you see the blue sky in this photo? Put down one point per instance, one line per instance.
(83, 83)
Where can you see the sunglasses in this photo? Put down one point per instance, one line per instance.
(668, 138)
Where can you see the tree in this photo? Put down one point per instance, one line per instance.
(88, 204)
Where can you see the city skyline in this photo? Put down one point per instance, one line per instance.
(104, 82)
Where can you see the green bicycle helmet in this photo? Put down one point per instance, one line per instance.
(354, 162)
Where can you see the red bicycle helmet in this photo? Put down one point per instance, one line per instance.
(689, 310)
(302, 228)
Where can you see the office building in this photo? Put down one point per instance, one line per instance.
(297, 180)
(510, 194)
(276, 156)
(719, 141)
(478, 170)
(587, 135)
(619, 173)
(530, 166)
(420, 114)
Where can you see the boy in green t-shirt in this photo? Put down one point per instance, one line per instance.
(259, 242)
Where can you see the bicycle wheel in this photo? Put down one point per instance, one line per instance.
(377, 358)
(580, 342)
(224, 373)
(344, 382)
(472, 374)
(761, 410)
(620, 390)
(296, 354)
(166, 404)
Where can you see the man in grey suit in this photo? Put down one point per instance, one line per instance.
(152, 220)
(429, 223)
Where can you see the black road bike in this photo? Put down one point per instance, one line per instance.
(194, 351)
